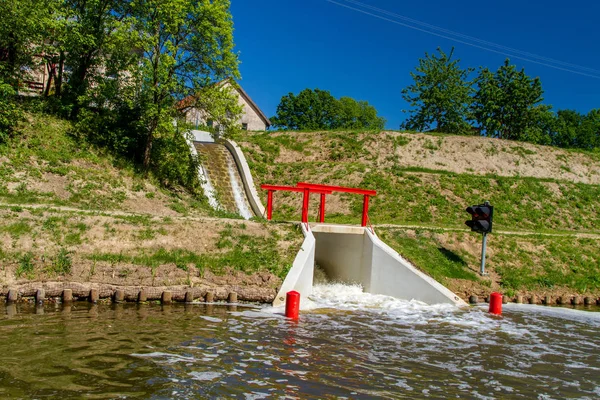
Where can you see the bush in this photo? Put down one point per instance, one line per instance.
(172, 162)
(9, 111)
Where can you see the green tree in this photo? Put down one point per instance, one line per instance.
(309, 110)
(507, 105)
(568, 123)
(319, 110)
(187, 48)
(591, 127)
(577, 130)
(354, 114)
(440, 96)
(88, 31)
(23, 28)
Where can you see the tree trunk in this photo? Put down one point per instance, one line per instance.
(51, 74)
(148, 149)
(79, 86)
(59, 79)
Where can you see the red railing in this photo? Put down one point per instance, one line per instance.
(306, 194)
(323, 190)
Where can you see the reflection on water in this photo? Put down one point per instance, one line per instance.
(346, 344)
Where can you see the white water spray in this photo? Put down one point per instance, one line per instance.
(208, 188)
(239, 195)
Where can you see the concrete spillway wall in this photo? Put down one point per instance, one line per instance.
(225, 175)
(356, 255)
(300, 277)
(246, 175)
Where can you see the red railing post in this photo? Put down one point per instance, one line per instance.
(269, 205)
(322, 209)
(365, 214)
(305, 205)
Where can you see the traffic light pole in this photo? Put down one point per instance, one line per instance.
(482, 270)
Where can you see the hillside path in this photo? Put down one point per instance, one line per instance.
(116, 213)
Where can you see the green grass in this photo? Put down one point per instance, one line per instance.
(523, 263)
(26, 266)
(47, 147)
(16, 229)
(548, 263)
(62, 263)
(236, 250)
(417, 195)
(430, 255)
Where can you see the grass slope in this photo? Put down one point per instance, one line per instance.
(427, 181)
(69, 211)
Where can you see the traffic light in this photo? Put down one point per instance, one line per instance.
(481, 218)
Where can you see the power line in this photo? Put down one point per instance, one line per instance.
(471, 38)
(503, 50)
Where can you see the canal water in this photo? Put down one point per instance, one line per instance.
(347, 344)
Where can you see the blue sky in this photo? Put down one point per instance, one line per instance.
(289, 45)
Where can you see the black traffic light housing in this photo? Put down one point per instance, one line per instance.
(481, 218)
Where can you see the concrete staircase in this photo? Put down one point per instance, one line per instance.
(225, 177)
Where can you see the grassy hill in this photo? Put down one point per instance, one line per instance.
(71, 212)
(547, 202)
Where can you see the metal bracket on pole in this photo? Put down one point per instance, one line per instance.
(482, 270)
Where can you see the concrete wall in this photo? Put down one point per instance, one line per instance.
(300, 277)
(202, 136)
(339, 252)
(394, 276)
(355, 255)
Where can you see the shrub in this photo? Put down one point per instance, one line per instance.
(9, 111)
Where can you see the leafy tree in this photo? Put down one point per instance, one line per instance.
(541, 127)
(440, 95)
(573, 129)
(507, 105)
(87, 35)
(319, 110)
(354, 114)
(23, 28)
(187, 47)
(590, 128)
(309, 110)
(568, 123)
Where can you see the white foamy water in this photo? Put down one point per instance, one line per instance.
(239, 194)
(208, 188)
(352, 344)
(346, 344)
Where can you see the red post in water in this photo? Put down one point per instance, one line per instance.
(269, 205)
(496, 303)
(322, 209)
(365, 210)
(292, 304)
(305, 205)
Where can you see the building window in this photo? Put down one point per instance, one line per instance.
(209, 123)
(245, 127)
